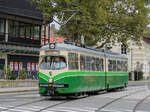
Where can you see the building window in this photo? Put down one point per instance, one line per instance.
(24, 30)
(123, 49)
(2, 26)
(28, 30)
(36, 32)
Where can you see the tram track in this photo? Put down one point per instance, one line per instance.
(117, 99)
(13, 107)
(140, 102)
(51, 106)
(38, 101)
(48, 107)
(70, 100)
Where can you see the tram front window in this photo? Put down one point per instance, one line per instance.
(53, 63)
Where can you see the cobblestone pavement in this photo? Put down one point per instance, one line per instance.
(132, 99)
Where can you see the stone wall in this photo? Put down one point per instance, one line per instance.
(18, 83)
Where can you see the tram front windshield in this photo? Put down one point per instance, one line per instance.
(53, 63)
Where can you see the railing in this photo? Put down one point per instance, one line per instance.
(27, 41)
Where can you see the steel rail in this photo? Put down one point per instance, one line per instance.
(117, 99)
(140, 102)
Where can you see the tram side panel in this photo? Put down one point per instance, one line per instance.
(81, 81)
(116, 73)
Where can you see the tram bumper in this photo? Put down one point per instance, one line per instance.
(51, 88)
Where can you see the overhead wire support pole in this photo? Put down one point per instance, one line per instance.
(65, 22)
(61, 23)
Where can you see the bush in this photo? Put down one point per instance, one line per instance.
(22, 74)
(138, 75)
(12, 77)
(8, 73)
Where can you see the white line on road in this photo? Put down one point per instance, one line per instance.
(61, 110)
(3, 108)
(19, 110)
(77, 109)
(28, 108)
(110, 110)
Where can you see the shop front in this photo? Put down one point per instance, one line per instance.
(27, 63)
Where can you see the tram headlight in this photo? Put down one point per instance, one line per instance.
(50, 80)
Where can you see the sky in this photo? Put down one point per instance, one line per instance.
(57, 26)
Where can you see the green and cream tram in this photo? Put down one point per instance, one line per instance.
(66, 69)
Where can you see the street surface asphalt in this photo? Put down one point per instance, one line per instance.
(135, 98)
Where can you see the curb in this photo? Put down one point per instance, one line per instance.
(17, 91)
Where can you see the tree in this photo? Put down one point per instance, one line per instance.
(147, 31)
(100, 21)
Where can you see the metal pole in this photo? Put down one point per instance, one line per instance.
(132, 72)
(49, 29)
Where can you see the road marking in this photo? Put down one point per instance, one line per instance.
(5, 111)
(3, 108)
(28, 96)
(131, 101)
(27, 108)
(141, 111)
(57, 109)
(110, 110)
(19, 110)
(78, 109)
(9, 99)
(37, 107)
(47, 111)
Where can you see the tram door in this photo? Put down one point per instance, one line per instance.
(2, 64)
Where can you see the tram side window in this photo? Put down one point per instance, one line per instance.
(93, 63)
(88, 64)
(126, 66)
(114, 65)
(102, 64)
(73, 61)
(118, 66)
(110, 65)
(122, 66)
(98, 64)
(82, 62)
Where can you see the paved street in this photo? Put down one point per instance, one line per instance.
(132, 99)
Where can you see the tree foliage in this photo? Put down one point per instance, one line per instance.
(100, 21)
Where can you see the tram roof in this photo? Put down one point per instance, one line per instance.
(70, 47)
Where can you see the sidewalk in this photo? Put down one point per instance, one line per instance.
(28, 89)
(139, 83)
(18, 89)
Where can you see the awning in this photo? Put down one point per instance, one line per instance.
(19, 49)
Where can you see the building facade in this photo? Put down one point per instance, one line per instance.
(20, 36)
(138, 55)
